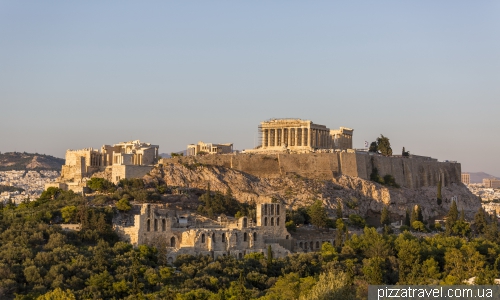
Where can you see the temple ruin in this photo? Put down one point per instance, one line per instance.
(123, 160)
(296, 135)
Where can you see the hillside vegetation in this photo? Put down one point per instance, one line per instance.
(29, 161)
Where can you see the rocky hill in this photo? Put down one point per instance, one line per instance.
(29, 161)
(356, 195)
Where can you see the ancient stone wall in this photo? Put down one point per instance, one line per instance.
(411, 172)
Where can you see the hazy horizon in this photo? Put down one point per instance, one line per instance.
(82, 74)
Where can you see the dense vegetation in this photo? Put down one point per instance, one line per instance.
(39, 260)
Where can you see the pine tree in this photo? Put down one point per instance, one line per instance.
(439, 196)
(451, 218)
(420, 217)
(480, 221)
(339, 210)
(384, 218)
(414, 216)
(269, 255)
(384, 146)
(407, 218)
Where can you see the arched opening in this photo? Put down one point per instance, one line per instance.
(245, 223)
(156, 224)
(213, 237)
(265, 221)
(286, 238)
(272, 209)
(317, 245)
(172, 241)
(255, 236)
(311, 244)
(170, 260)
(163, 224)
(240, 255)
(236, 237)
(305, 245)
(223, 237)
(272, 221)
(301, 245)
(148, 227)
(277, 209)
(265, 209)
(278, 221)
(245, 237)
(203, 238)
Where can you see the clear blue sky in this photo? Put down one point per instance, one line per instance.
(77, 74)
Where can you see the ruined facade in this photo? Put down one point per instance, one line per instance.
(209, 148)
(185, 233)
(298, 135)
(123, 160)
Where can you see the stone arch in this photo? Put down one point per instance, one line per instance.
(301, 245)
(245, 236)
(156, 224)
(311, 244)
(245, 223)
(163, 224)
(278, 221)
(286, 238)
(223, 237)
(203, 238)
(148, 227)
(172, 241)
(272, 209)
(272, 221)
(265, 221)
(278, 209)
(213, 237)
(265, 209)
(255, 236)
(317, 245)
(240, 255)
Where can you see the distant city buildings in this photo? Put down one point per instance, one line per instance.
(208, 148)
(466, 178)
(491, 183)
(33, 183)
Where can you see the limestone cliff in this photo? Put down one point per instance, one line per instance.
(356, 195)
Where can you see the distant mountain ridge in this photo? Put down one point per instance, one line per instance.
(477, 177)
(167, 155)
(29, 161)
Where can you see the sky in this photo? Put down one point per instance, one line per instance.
(78, 74)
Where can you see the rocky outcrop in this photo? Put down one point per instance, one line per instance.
(410, 172)
(356, 195)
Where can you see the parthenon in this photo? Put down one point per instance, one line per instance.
(302, 136)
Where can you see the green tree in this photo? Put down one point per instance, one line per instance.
(100, 184)
(384, 217)
(407, 218)
(384, 146)
(451, 218)
(57, 294)
(373, 147)
(439, 196)
(332, 285)
(480, 221)
(319, 218)
(420, 217)
(123, 205)
(339, 210)
(68, 213)
(269, 255)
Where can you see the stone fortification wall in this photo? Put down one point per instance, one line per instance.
(414, 172)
